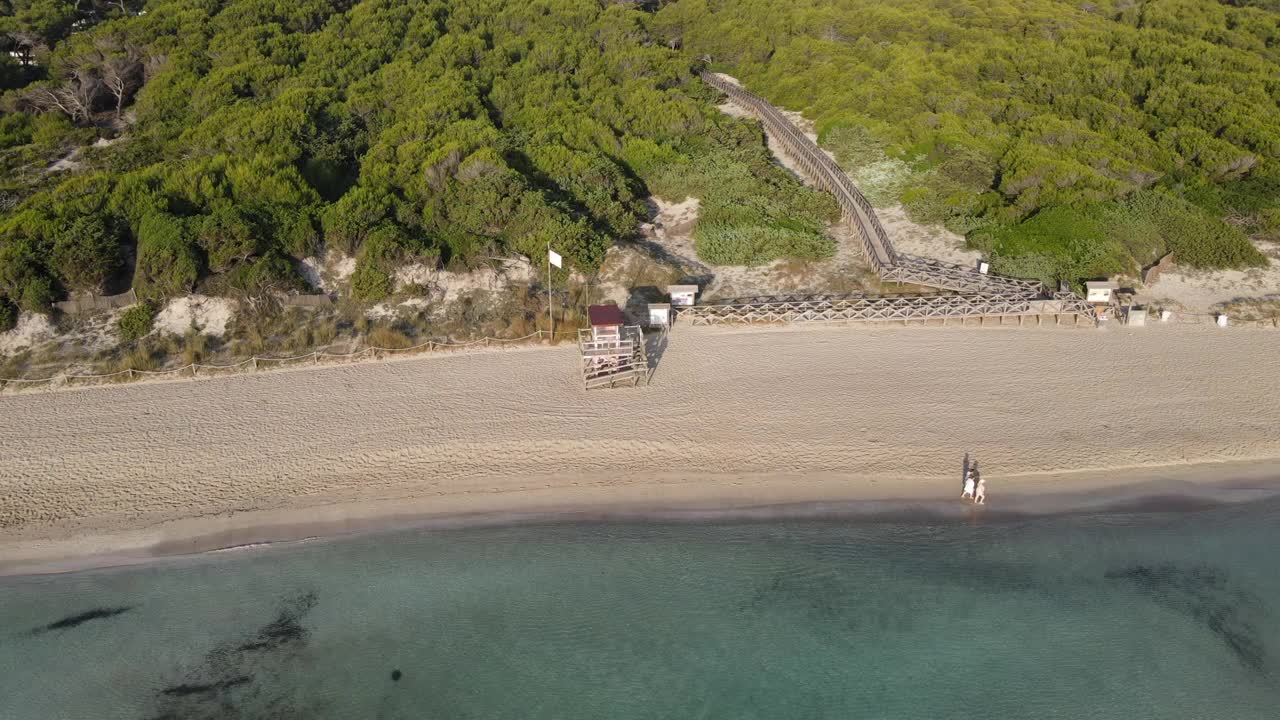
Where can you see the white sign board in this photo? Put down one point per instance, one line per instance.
(555, 258)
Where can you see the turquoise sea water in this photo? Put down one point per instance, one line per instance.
(1155, 615)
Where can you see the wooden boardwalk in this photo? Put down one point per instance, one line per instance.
(888, 263)
(905, 309)
(974, 294)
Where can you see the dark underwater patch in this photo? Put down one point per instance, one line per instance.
(75, 620)
(181, 690)
(256, 664)
(820, 594)
(286, 628)
(1207, 596)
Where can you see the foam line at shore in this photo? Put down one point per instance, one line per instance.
(1163, 490)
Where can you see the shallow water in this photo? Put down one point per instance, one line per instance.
(1160, 615)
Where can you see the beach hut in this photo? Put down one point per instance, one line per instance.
(659, 314)
(1099, 292)
(606, 321)
(682, 295)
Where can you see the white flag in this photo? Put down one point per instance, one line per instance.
(555, 258)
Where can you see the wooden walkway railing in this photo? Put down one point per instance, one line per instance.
(906, 309)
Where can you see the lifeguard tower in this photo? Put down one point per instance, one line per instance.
(612, 351)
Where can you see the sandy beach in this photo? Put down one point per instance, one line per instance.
(733, 418)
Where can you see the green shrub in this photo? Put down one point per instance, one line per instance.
(1196, 238)
(741, 244)
(85, 253)
(22, 276)
(295, 232)
(853, 145)
(8, 314)
(369, 283)
(228, 236)
(751, 211)
(53, 129)
(385, 337)
(15, 130)
(349, 221)
(1063, 243)
(270, 272)
(136, 321)
(37, 295)
(168, 264)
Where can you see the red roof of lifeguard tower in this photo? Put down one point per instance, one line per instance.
(605, 315)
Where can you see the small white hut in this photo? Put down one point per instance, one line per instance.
(659, 314)
(1099, 292)
(682, 295)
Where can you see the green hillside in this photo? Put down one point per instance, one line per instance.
(176, 145)
(1070, 139)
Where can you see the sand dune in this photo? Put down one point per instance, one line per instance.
(886, 411)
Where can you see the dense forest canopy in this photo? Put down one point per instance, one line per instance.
(174, 145)
(251, 132)
(1140, 123)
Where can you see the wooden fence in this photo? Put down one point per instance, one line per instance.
(306, 301)
(94, 303)
(256, 363)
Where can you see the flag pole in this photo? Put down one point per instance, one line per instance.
(550, 315)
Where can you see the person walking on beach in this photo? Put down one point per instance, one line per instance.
(968, 486)
(980, 496)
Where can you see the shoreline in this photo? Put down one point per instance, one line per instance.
(1146, 489)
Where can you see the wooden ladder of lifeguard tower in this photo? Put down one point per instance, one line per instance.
(613, 359)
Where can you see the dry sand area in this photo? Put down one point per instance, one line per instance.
(760, 415)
